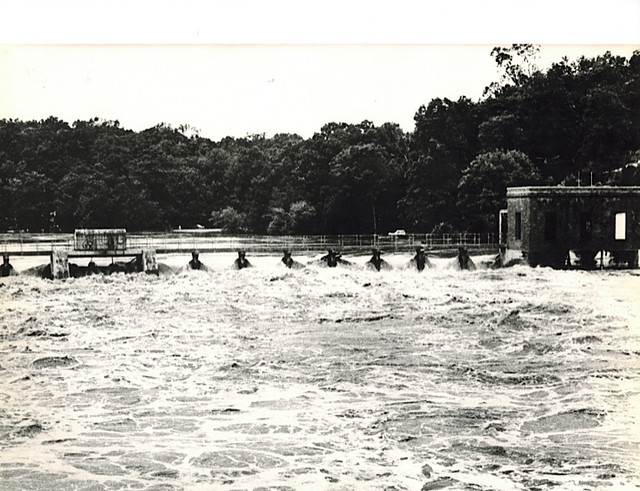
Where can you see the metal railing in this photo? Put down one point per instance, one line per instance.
(42, 244)
(304, 243)
(34, 244)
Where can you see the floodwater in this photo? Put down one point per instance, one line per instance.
(318, 378)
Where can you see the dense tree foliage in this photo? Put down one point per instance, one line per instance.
(483, 183)
(450, 173)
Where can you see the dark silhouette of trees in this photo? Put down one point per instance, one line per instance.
(443, 144)
(450, 173)
(483, 186)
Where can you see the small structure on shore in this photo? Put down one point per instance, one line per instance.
(92, 243)
(544, 224)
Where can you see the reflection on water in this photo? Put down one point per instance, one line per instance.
(317, 378)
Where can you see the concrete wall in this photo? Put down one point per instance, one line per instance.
(518, 205)
(59, 264)
(558, 219)
(100, 239)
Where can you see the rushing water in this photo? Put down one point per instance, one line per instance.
(317, 378)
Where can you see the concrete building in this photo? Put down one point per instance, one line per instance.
(110, 243)
(543, 223)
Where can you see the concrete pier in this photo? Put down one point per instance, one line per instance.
(150, 261)
(59, 264)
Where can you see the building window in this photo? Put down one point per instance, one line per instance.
(550, 226)
(621, 226)
(586, 226)
(518, 225)
(503, 226)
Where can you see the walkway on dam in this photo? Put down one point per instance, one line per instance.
(168, 243)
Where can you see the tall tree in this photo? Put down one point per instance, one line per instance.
(483, 188)
(360, 174)
(443, 144)
(516, 64)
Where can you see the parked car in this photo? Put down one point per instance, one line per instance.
(398, 233)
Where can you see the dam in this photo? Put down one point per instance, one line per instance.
(141, 250)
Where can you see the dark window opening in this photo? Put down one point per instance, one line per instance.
(550, 226)
(504, 228)
(586, 226)
(518, 225)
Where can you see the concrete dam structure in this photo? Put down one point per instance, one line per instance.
(110, 243)
(543, 224)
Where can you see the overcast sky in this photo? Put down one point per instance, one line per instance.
(234, 82)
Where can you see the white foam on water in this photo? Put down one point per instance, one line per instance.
(321, 378)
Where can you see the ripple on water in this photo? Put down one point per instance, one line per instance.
(126, 396)
(565, 421)
(54, 361)
(45, 481)
(100, 466)
(25, 431)
(237, 459)
(124, 425)
(194, 381)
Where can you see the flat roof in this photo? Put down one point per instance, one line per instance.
(531, 191)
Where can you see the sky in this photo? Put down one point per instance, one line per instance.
(241, 74)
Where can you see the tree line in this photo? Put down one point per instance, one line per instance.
(450, 173)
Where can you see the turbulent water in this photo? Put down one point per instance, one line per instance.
(320, 378)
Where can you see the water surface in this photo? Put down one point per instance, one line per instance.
(321, 379)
